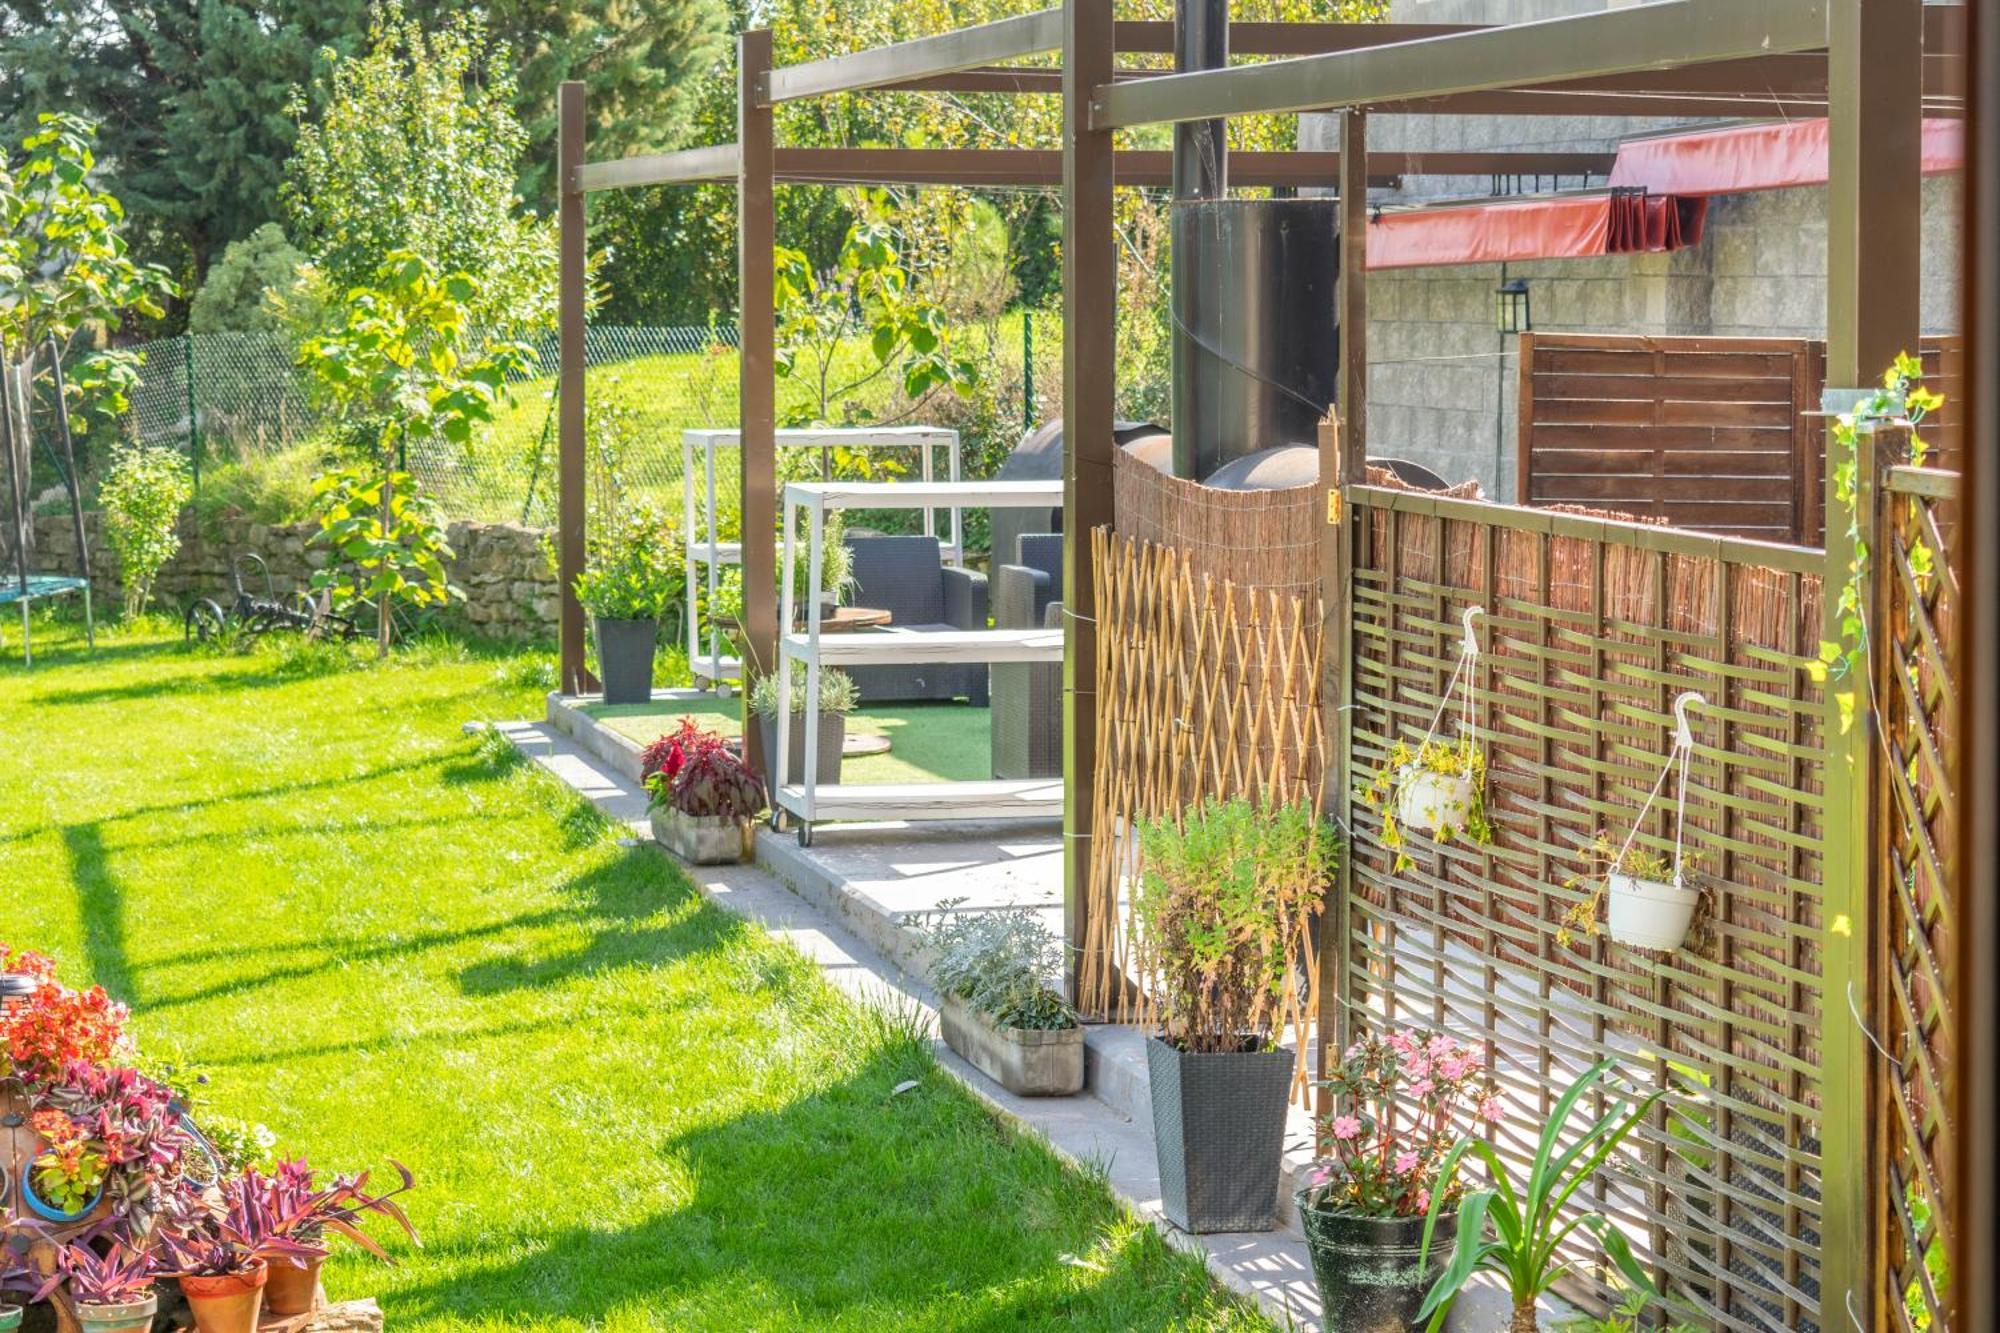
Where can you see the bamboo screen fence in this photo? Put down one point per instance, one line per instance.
(1205, 690)
(1917, 703)
(1591, 629)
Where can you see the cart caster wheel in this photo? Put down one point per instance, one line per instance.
(204, 622)
(805, 835)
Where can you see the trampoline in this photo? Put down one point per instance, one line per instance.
(17, 435)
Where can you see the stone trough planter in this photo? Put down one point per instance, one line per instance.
(704, 841)
(1026, 1062)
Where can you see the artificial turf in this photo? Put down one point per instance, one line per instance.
(626, 1109)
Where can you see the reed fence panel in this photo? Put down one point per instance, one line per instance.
(1592, 627)
(1206, 690)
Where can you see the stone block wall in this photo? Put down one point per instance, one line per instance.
(510, 592)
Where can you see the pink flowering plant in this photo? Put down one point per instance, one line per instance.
(1401, 1102)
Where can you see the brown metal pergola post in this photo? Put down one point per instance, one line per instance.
(576, 677)
(1090, 286)
(757, 390)
(1874, 270)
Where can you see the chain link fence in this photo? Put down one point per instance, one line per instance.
(243, 412)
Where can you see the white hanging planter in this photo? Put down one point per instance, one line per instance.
(1433, 801)
(1648, 913)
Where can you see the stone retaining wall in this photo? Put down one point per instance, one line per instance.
(510, 592)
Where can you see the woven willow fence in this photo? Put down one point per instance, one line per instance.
(1916, 701)
(1206, 690)
(1592, 628)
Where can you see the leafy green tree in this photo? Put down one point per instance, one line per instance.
(251, 287)
(64, 272)
(398, 376)
(416, 150)
(141, 497)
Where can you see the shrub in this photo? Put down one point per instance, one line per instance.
(634, 571)
(1225, 901)
(1006, 964)
(715, 783)
(245, 290)
(837, 693)
(142, 496)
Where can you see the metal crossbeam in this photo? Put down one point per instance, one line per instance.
(1645, 37)
(688, 166)
(966, 48)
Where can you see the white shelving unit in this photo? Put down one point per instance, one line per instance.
(708, 661)
(807, 801)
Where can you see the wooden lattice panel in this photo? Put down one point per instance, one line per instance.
(1916, 703)
(1205, 690)
(1592, 629)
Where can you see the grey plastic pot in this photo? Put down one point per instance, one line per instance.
(625, 659)
(1369, 1269)
(1219, 1129)
(832, 737)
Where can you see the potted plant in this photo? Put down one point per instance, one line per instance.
(112, 1291)
(65, 1181)
(702, 804)
(1396, 1105)
(1514, 1228)
(221, 1254)
(1438, 789)
(17, 1279)
(1225, 904)
(998, 1006)
(837, 698)
(1642, 897)
(629, 580)
(305, 1213)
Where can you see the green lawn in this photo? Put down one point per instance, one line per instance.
(936, 742)
(626, 1109)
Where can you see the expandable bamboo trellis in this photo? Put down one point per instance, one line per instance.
(1205, 690)
(1592, 628)
(1916, 701)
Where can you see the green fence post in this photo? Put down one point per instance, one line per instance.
(194, 416)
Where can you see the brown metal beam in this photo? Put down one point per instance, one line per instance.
(1653, 36)
(573, 278)
(1090, 352)
(757, 385)
(1150, 167)
(884, 66)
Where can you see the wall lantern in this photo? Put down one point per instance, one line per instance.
(1511, 311)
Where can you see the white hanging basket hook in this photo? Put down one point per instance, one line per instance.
(1684, 733)
(1469, 643)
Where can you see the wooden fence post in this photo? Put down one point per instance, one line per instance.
(570, 509)
(757, 387)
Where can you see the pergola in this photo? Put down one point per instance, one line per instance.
(1875, 68)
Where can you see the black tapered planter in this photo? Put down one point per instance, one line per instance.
(832, 739)
(1219, 1128)
(625, 659)
(1370, 1271)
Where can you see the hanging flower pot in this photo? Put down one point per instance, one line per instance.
(1648, 913)
(1434, 801)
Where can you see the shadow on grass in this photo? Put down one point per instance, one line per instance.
(100, 905)
(855, 1200)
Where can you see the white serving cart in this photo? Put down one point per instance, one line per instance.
(709, 662)
(804, 800)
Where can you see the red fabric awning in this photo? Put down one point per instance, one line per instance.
(1743, 158)
(1657, 202)
(1575, 227)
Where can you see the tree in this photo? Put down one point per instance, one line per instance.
(397, 375)
(248, 289)
(142, 496)
(64, 270)
(416, 151)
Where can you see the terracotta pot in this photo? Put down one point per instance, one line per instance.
(128, 1317)
(229, 1304)
(292, 1287)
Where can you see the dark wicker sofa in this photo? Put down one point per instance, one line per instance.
(1027, 696)
(907, 577)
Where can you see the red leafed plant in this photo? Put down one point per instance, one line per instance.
(716, 783)
(304, 1211)
(668, 755)
(55, 1026)
(121, 1275)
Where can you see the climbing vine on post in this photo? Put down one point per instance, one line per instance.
(1901, 398)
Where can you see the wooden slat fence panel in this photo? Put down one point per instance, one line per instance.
(1716, 434)
(1592, 628)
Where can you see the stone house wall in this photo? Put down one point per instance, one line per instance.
(510, 592)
